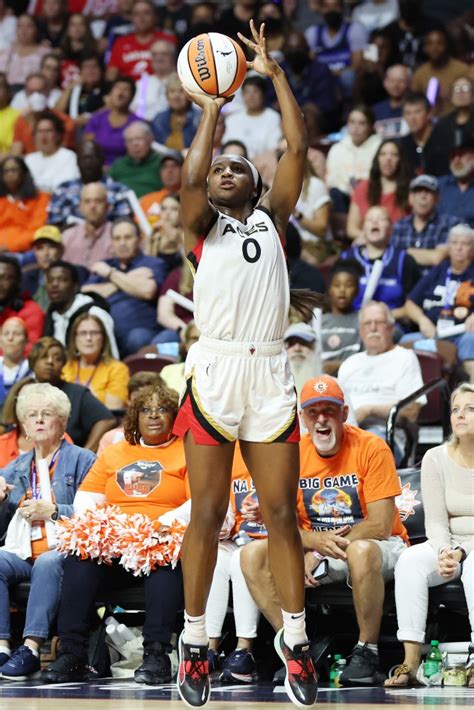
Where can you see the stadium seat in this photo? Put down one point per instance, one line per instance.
(148, 362)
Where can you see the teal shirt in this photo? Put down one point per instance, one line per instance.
(142, 177)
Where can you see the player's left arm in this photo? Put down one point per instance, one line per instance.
(288, 179)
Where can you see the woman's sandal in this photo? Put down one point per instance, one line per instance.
(395, 679)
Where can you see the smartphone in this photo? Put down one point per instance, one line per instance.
(321, 570)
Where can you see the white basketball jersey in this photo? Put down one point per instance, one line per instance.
(241, 287)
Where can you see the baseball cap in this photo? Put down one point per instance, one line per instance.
(300, 330)
(428, 182)
(321, 389)
(174, 155)
(49, 232)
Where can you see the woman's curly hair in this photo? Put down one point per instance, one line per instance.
(167, 398)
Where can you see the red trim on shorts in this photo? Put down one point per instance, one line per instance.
(294, 436)
(187, 421)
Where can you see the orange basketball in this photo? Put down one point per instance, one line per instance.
(212, 64)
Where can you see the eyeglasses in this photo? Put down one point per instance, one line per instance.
(88, 333)
(148, 411)
(463, 89)
(43, 414)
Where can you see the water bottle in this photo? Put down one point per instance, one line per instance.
(434, 660)
(336, 670)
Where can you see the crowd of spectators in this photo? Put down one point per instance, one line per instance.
(94, 128)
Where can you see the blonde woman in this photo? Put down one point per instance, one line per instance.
(447, 473)
(43, 411)
(90, 362)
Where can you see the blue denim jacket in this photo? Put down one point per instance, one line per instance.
(72, 466)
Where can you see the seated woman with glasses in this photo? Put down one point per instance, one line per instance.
(90, 362)
(35, 489)
(144, 474)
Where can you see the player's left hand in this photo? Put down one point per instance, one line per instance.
(263, 63)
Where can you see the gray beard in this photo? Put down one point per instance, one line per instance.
(304, 370)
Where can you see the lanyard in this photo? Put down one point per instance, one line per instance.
(35, 490)
(366, 262)
(451, 288)
(78, 379)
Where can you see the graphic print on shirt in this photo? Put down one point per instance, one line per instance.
(140, 478)
(331, 502)
(244, 492)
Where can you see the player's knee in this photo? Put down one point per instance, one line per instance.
(281, 519)
(208, 520)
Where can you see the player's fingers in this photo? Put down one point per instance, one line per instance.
(246, 41)
(253, 30)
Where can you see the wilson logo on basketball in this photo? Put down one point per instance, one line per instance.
(212, 64)
(201, 61)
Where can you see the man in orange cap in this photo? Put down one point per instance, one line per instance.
(350, 526)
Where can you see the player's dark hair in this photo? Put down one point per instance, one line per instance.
(304, 301)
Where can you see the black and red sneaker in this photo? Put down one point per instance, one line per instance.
(301, 682)
(193, 682)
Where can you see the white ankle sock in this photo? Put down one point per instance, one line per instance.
(294, 628)
(5, 649)
(34, 651)
(195, 630)
(372, 646)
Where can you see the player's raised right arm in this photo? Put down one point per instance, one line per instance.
(196, 210)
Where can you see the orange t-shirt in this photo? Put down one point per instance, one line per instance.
(9, 450)
(19, 220)
(335, 491)
(23, 132)
(140, 479)
(241, 490)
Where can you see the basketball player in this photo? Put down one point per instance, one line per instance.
(238, 382)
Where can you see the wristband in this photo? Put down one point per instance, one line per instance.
(55, 515)
(317, 556)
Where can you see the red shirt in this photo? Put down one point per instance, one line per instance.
(33, 317)
(361, 199)
(133, 58)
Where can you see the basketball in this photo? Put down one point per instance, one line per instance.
(212, 64)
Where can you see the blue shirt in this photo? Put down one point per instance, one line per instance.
(66, 199)
(161, 126)
(129, 311)
(383, 110)
(315, 85)
(440, 290)
(405, 236)
(453, 201)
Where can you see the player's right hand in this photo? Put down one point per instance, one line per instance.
(203, 100)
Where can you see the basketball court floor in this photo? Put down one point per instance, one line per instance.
(124, 694)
